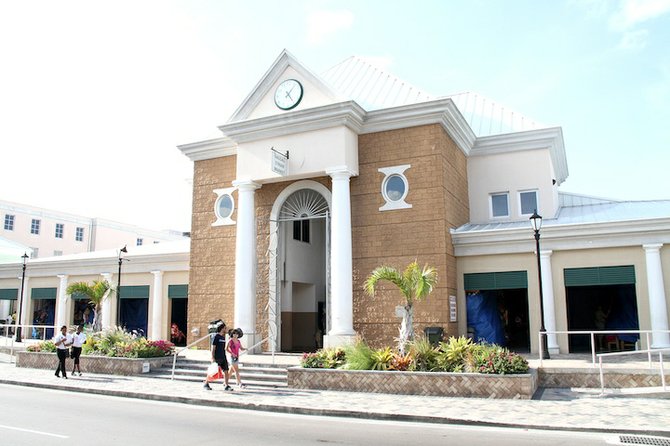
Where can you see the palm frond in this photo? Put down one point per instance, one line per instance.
(80, 288)
(387, 273)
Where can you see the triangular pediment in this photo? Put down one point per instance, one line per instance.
(261, 101)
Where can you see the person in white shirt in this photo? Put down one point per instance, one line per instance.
(78, 340)
(62, 341)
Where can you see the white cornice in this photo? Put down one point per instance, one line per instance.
(212, 148)
(440, 111)
(564, 237)
(548, 138)
(348, 114)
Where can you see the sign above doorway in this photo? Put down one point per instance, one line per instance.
(279, 162)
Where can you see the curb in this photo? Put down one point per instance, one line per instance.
(330, 412)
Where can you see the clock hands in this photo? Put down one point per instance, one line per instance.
(288, 93)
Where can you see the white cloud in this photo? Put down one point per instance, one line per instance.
(321, 24)
(634, 40)
(633, 12)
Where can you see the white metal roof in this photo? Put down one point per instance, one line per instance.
(582, 209)
(373, 88)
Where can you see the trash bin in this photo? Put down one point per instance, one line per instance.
(434, 334)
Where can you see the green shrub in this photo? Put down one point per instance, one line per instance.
(358, 356)
(330, 358)
(381, 359)
(44, 346)
(498, 360)
(424, 355)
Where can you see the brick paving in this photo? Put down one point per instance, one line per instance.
(635, 411)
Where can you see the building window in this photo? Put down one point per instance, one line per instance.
(9, 222)
(395, 187)
(301, 230)
(58, 253)
(139, 242)
(156, 242)
(528, 202)
(224, 207)
(35, 254)
(500, 205)
(35, 226)
(59, 230)
(79, 234)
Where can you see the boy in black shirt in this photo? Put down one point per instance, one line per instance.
(219, 356)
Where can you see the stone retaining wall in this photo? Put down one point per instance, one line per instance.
(614, 378)
(416, 383)
(92, 364)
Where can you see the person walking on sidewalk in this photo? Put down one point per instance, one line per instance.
(219, 357)
(234, 347)
(78, 340)
(62, 342)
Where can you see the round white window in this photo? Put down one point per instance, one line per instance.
(225, 206)
(395, 187)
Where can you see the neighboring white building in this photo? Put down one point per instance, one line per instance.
(53, 233)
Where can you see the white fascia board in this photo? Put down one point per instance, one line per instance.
(94, 267)
(441, 111)
(564, 237)
(548, 138)
(271, 76)
(212, 148)
(348, 114)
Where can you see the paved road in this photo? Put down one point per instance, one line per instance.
(44, 416)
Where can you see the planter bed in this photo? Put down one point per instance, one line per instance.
(92, 364)
(476, 385)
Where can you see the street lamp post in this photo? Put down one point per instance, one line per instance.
(18, 313)
(536, 221)
(118, 286)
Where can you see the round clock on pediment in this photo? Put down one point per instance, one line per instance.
(288, 94)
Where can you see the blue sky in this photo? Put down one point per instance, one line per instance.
(95, 96)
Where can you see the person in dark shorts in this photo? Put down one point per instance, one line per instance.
(78, 340)
(219, 356)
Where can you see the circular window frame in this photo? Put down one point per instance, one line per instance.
(390, 173)
(220, 219)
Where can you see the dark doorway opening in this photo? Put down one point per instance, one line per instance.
(178, 324)
(82, 312)
(134, 315)
(499, 317)
(44, 314)
(591, 307)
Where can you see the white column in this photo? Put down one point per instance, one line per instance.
(658, 309)
(245, 261)
(61, 301)
(25, 305)
(107, 304)
(4, 308)
(157, 306)
(342, 318)
(548, 301)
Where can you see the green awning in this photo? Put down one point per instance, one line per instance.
(600, 275)
(496, 281)
(9, 293)
(177, 291)
(135, 292)
(43, 293)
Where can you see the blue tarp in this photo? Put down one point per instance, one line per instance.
(623, 315)
(484, 318)
(134, 313)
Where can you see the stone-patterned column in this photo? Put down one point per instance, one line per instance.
(245, 261)
(61, 301)
(342, 318)
(549, 304)
(157, 306)
(658, 309)
(106, 321)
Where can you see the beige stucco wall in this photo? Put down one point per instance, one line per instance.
(561, 260)
(511, 172)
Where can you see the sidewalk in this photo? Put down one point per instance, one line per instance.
(559, 409)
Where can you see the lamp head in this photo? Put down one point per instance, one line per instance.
(536, 220)
(25, 257)
(124, 249)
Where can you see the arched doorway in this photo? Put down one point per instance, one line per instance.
(299, 254)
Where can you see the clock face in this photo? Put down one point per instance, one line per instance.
(288, 94)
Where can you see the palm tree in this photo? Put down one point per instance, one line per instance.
(414, 283)
(97, 293)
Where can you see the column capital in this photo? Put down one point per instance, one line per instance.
(340, 172)
(652, 246)
(62, 276)
(157, 272)
(246, 185)
(546, 252)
